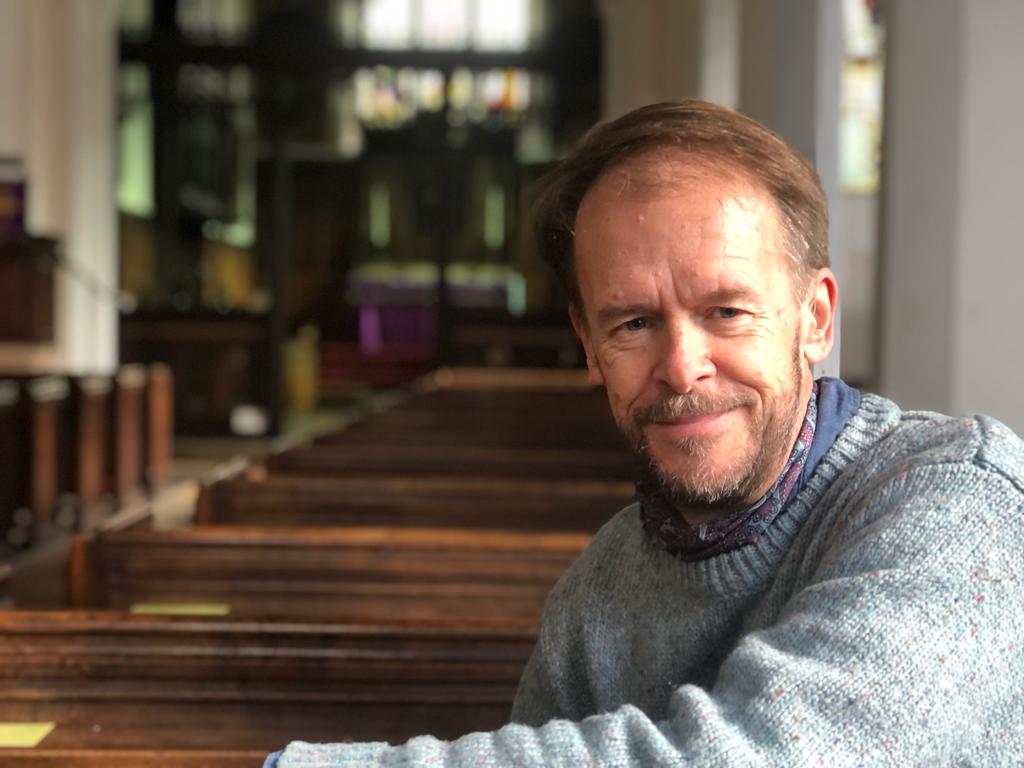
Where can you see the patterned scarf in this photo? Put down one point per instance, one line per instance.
(666, 527)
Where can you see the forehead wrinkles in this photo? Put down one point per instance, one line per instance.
(721, 210)
(710, 207)
(667, 170)
(665, 174)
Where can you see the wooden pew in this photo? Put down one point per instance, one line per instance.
(43, 453)
(72, 757)
(65, 445)
(366, 574)
(48, 433)
(453, 461)
(92, 402)
(539, 424)
(570, 429)
(128, 426)
(14, 493)
(118, 685)
(253, 497)
(580, 417)
(159, 425)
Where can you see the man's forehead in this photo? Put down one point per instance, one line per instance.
(718, 213)
(668, 170)
(686, 196)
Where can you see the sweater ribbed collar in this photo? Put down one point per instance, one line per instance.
(748, 568)
(666, 528)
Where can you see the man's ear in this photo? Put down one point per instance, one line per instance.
(579, 324)
(819, 314)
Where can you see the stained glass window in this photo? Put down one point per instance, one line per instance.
(443, 24)
(860, 125)
(501, 26)
(487, 25)
(135, 18)
(387, 23)
(135, 146)
(218, 21)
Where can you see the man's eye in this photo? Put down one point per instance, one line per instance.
(726, 313)
(636, 324)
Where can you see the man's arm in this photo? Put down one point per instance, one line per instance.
(905, 649)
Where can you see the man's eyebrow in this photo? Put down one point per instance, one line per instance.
(726, 295)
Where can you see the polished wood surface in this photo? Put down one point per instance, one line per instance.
(129, 428)
(378, 583)
(115, 681)
(354, 573)
(413, 501)
(159, 424)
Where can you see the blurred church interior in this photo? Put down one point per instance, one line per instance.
(227, 226)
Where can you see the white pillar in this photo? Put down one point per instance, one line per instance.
(57, 113)
(720, 52)
(651, 52)
(792, 55)
(953, 261)
(12, 83)
(91, 225)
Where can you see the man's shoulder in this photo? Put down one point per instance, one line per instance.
(913, 470)
(927, 438)
(921, 491)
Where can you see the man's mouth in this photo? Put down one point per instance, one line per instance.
(690, 426)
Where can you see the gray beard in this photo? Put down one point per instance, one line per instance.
(705, 493)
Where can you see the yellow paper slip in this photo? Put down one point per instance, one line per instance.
(23, 735)
(182, 609)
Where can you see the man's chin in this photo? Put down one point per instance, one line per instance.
(696, 479)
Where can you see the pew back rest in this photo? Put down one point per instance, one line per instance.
(359, 572)
(411, 501)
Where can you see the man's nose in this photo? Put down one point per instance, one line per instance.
(685, 357)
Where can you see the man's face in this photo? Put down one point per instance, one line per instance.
(691, 319)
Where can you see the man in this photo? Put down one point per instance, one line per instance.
(810, 576)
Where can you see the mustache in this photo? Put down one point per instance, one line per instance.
(677, 406)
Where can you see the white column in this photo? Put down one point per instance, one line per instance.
(12, 83)
(792, 54)
(57, 113)
(91, 224)
(720, 52)
(651, 52)
(952, 258)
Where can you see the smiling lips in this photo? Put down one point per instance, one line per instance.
(691, 426)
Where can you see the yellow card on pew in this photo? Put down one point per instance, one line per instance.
(182, 609)
(23, 735)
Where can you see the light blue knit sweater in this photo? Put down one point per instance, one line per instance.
(879, 622)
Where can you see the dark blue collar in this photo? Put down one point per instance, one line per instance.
(837, 402)
(830, 408)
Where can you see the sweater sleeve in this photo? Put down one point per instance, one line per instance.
(903, 646)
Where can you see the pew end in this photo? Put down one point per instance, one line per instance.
(81, 573)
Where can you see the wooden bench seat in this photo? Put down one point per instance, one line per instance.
(113, 681)
(364, 574)
(522, 431)
(132, 758)
(454, 461)
(414, 501)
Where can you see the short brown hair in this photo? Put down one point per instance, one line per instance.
(712, 134)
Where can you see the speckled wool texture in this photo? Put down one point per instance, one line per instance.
(880, 621)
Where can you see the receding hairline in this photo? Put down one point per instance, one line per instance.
(661, 171)
(713, 137)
